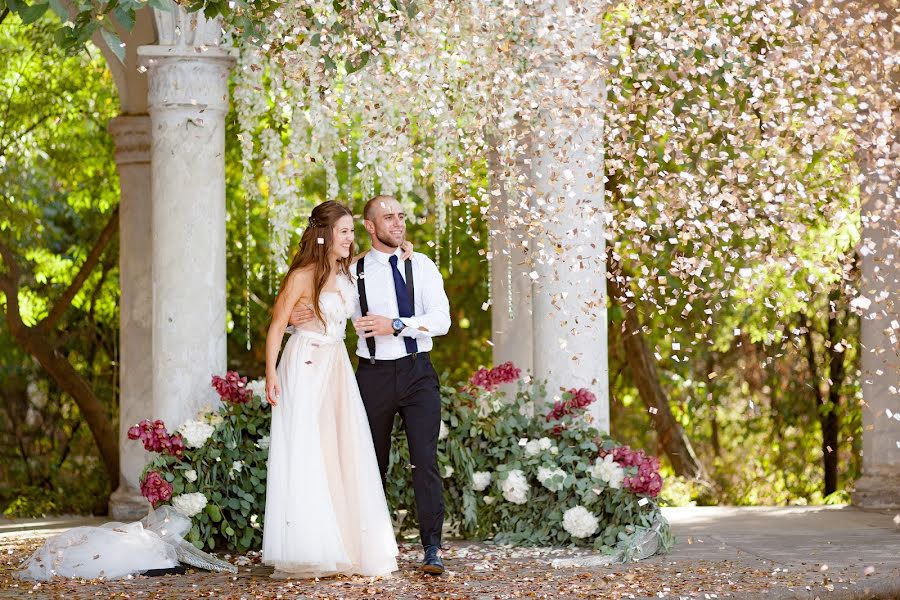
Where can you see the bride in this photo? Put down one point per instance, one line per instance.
(325, 507)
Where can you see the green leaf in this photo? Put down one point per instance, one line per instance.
(214, 513)
(60, 10)
(30, 14)
(124, 15)
(166, 5)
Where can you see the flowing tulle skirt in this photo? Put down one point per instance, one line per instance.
(325, 507)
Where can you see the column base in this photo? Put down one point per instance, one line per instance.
(877, 492)
(127, 504)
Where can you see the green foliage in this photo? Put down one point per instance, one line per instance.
(230, 470)
(58, 185)
(485, 434)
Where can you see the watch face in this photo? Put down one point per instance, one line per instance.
(398, 325)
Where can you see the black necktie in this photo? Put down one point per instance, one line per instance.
(404, 302)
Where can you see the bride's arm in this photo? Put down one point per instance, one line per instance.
(298, 283)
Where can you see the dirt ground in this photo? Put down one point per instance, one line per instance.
(477, 571)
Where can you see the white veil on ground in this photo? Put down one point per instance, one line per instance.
(116, 550)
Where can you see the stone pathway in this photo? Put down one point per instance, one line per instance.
(829, 553)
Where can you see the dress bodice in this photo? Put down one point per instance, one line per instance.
(336, 306)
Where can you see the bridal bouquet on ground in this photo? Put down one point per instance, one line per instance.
(212, 469)
(520, 470)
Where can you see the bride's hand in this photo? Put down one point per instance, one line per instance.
(273, 391)
(407, 248)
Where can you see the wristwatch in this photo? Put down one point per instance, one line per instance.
(398, 326)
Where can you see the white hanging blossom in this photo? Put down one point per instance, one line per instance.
(580, 522)
(189, 504)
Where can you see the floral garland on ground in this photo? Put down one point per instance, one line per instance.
(511, 474)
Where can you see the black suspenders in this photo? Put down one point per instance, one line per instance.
(364, 303)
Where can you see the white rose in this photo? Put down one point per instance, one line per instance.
(551, 478)
(532, 448)
(448, 471)
(481, 480)
(445, 431)
(189, 504)
(554, 450)
(608, 470)
(545, 443)
(580, 522)
(190, 475)
(515, 487)
(195, 433)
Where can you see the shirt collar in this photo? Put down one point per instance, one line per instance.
(383, 257)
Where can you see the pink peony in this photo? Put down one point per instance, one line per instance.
(572, 402)
(647, 481)
(489, 379)
(156, 439)
(156, 489)
(232, 388)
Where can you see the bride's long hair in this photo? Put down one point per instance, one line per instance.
(311, 252)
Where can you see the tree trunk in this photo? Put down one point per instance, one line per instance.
(39, 342)
(643, 369)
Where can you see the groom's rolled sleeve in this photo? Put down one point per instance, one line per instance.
(435, 319)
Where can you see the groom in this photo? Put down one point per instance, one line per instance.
(402, 306)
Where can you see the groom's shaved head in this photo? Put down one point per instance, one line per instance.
(369, 211)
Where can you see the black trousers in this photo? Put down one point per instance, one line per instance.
(408, 386)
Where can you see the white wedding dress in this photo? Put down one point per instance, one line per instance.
(326, 512)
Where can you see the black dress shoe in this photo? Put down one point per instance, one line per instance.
(433, 565)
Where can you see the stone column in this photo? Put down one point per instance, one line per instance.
(879, 487)
(188, 101)
(132, 139)
(566, 184)
(511, 306)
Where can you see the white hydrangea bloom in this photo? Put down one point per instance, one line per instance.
(189, 504)
(445, 431)
(580, 522)
(195, 433)
(545, 475)
(258, 388)
(481, 480)
(533, 448)
(190, 475)
(608, 470)
(515, 487)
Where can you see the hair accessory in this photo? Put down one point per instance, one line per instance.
(314, 222)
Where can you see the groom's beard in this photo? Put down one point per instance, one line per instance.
(388, 241)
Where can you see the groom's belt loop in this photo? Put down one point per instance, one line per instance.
(363, 303)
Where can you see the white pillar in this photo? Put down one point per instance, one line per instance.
(188, 101)
(566, 150)
(131, 135)
(879, 487)
(512, 333)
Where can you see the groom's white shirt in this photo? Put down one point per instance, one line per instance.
(432, 309)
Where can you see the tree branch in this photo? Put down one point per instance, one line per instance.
(62, 305)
